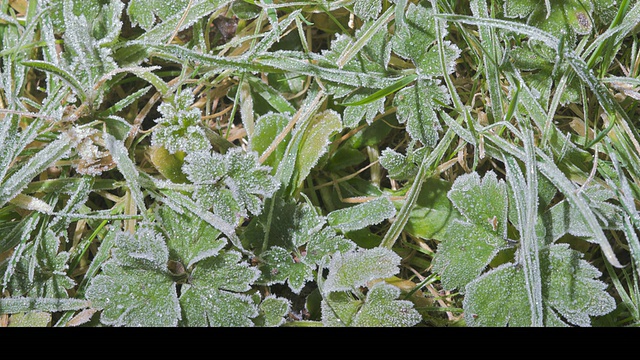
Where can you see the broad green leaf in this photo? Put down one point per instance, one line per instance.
(353, 114)
(144, 12)
(569, 289)
(235, 180)
(433, 211)
(214, 296)
(245, 10)
(414, 40)
(134, 297)
(350, 270)
(184, 203)
(189, 238)
(279, 266)
(417, 106)
(470, 245)
(294, 244)
(563, 218)
(520, 8)
(479, 200)
(326, 243)
(362, 215)
(135, 287)
(273, 311)
(268, 127)
(145, 250)
(381, 309)
(562, 18)
(498, 298)
(465, 253)
(573, 290)
(291, 225)
(345, 157)
(399, 166)
(314, 142)
(338, 309)
(30, 319)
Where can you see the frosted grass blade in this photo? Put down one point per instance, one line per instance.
(63, 74)
(24, 304)
(384, 92)
(490, 56)
(362, 215)
(120, 155)
(12, 186)
(365, 37)
(526, 207)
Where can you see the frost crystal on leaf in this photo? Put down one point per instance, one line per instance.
(415, 41)
(234, 181)
(382, 309)
(144, 12)
(178, 129)
(296, 242)
(85, 38)
(356, 268)
(569, 290)
(135, 287)
(417, 106)
(362, 215)
(40, 271)
(189, 238)
(273, 311)
(214, 296)
(367, 9)
(473, 243)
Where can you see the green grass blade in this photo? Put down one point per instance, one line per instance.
(63, 74)
(400, 84)
(12, 186)
(24, 304)
(126, 166)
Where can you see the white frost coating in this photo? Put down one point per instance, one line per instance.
(275, 309)
(32, 203)
(382, 309)
(315, 141)
(367, 9)
(362, 215)
(120, 156)
(38, 163)
(146, 244)
(356, 268)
